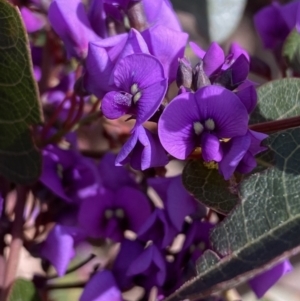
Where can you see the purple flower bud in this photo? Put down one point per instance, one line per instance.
(184, 74)
(200, 79)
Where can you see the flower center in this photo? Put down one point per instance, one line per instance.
(210, 124)
(198, 127)
(134, 90)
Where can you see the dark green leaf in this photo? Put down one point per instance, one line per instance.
(278, 99)
(209, 187)
(23, 290)
(291, 50)
(211, 15)
(20, 161)
(260, 231)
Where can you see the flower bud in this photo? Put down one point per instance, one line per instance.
(184, 74)
(200, 79)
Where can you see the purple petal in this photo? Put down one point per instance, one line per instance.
(159, 38)
(290, 13)
(248, 96)
(175, 126)
(113, 176)
(101, 287)
(100, 63)
(263, 282)
(236, 50)
(160, 12)
(271, 26)
(143, 150)
(179, 203)
(211, 148)
(213, 59)
(151, 98)
(240, 69)
(33, 22)
(141, 69)
(158, 229)
(91, 214)
(97, 17)
(234, 151)
(256, 139)
(131, 200)
(116, 104)
(247, 164)
(197, 50)
(129, 251)
(70, 22)
(59, 247)
(225, 108)
(142, 265)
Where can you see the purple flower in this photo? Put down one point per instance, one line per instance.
(261, 283)
(101, 287)
(70, 22)
(59, 247)
(274, 22)
(159, 38)
(33, 22)
(202, 119)
(239, 153)
(103, 56)
(108, 214)
(178, 203)
(142, 150)
(158, 229)
(141, 86)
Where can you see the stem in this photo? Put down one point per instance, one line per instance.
(76, 267)
(16, 243)
(78, 284)
(276, 126)
(136, 15)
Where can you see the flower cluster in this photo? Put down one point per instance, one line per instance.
(127, 66)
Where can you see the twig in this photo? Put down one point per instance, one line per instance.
(16, 243)
(78, 284)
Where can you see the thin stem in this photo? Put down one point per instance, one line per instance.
(136, 15)
(78, 284)
(16, 243)
(276, 125)
(76, 267)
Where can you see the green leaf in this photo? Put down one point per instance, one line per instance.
(291, 50)
(20, 161)
(23, 290)
(260, 231)
(209, 187)
(211, 15)
(278, 99)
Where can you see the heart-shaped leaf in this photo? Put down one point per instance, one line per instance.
(23, 290)
(20, 161)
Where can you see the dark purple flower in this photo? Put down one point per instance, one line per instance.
(274, 22)
(202, 119)
(101, 287)
(59, 247)
(141, 86)
(263, 282)
(103, 56)
(159, 38)
(142, 150)
(239, 153)
(70, 22)
(157, 228)
(108, 214)
(178, 203)
(149, 267)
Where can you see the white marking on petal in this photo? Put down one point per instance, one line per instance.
(210, 124)
(134, 88)
(120, 213)
(136, 97)
(198, 127)
(108, 213)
